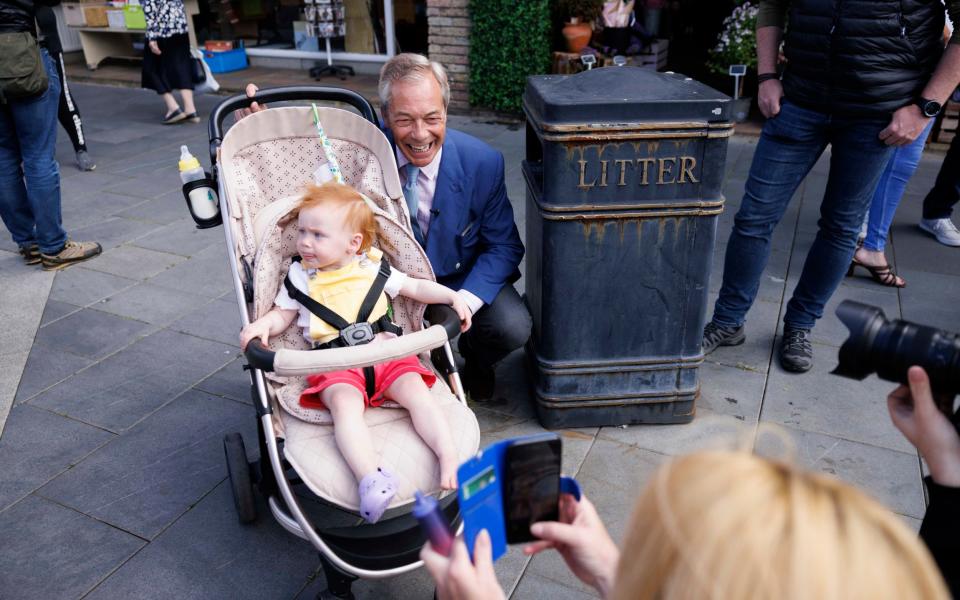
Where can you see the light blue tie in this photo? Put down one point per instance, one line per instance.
(411, 194)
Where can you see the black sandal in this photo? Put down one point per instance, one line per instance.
(174, 117)
(193, 117)
(883, 275)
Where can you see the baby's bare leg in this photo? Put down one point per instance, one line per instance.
(410, 392)
(345, 403)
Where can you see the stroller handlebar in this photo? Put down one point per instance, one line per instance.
(445, 326)
(283, 94)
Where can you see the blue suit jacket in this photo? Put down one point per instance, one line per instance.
(473, 242)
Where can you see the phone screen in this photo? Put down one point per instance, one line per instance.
(531, 487)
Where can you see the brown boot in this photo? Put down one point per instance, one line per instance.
(72, 252)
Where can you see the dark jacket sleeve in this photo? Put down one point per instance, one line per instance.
(941, 531)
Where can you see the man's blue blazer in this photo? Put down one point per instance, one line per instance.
(473, 242)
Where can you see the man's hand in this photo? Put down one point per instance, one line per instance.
(915, 414)
(907, 124)
(154, 47)
(769, 96)
(255, 107)
(459, 579)
(582, 541)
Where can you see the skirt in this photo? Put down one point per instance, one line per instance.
(171, 70)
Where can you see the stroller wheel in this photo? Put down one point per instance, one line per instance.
(240, 483)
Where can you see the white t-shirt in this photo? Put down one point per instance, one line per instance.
(299, 277)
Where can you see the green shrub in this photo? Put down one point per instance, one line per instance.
(509, 40)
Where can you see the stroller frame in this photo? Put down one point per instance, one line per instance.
(346, 553)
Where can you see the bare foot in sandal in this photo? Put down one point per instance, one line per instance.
(876, 264)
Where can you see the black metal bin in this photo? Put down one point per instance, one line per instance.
(623, 168)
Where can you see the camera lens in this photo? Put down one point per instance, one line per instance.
(890, 348)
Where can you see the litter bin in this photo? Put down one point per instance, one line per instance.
(623, 169)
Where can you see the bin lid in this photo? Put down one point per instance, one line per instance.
(622, 95)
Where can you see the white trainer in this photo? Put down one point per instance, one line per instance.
(942, 229)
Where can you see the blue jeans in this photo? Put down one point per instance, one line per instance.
(29, 174)
(890, 189)
(789, 146)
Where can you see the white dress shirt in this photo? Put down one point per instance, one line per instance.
(426, 188)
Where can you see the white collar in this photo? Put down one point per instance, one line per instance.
(431, 170)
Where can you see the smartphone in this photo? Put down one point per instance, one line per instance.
(531, 485)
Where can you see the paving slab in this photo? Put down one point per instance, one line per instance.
(888, 475)
(151, 303)
(536, 587)
(217, 320)
(49, 551)
(113, 232)
(232, 381)
(55, 310)
(163, 210)
(837, 406)
(754, 354)
(91, 333)
(46, 366)
(181, 237)
(122, 389)
(134, 262)
(37, 446)
(144, 480)
(206, 274)
(82, 286)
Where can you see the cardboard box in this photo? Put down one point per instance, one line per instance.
(95, 16)
(73, 15)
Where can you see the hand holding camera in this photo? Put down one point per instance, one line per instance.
(915, 413)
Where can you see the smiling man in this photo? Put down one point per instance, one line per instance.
(460, 214)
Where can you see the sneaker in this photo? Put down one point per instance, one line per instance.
(717, 335)
(84, 162)
(796, 351)
(72, 252)
(30, 254)
(942, 229)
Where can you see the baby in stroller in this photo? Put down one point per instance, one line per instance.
(338, 277)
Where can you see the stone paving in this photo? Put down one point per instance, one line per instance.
(114, 484)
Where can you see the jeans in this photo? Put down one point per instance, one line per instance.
(29, 174)
(890, 189)
(946, 191)
(789, 145)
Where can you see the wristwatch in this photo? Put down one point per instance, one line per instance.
(929, 108)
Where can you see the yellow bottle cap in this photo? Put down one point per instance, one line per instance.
(189, 163)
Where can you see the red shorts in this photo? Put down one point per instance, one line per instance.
(384, 376)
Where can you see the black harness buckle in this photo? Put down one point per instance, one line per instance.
(357, 334)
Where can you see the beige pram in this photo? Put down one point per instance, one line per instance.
(264, 162)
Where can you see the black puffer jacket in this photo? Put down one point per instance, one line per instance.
(861, 57)
(20, 15)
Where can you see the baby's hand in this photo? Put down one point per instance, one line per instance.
(256, 330)
(463, 311)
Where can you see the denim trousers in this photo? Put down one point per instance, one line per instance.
(789, 146)
(946, 190)
(890, 189)
(29, 174)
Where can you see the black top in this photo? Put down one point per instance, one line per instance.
(19, 15)
(941, 531)
(47, 21)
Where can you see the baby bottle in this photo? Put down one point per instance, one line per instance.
(200, 196)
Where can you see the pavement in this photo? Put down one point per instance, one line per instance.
(124, 375)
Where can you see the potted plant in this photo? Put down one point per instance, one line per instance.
(580, 15)
(737, 45)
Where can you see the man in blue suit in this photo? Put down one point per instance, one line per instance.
(455, 190)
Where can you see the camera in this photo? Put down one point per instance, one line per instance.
(891, 347)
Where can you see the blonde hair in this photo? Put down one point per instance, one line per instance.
(358, 216)
(410, 67)
(726, 524)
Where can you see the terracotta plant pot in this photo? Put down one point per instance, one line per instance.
(577, 35)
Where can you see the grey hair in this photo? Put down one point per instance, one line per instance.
(410, 67)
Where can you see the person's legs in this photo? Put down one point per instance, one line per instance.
(35, 126)
(497, 330)
(789, 146)
(889, 192)
(345, 404)
(188, 105)
(170, 102)
(14, 208)
(410, 392)
(939, 203)
(67, 112)
(857, 160)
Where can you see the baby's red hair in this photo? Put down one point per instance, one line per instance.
(359, 217)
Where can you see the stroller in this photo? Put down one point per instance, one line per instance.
(260, 167)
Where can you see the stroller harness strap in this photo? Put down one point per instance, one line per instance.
(351, 334)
